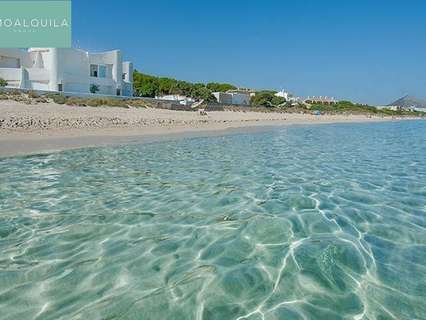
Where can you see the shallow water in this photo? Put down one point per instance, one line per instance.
(321, 222)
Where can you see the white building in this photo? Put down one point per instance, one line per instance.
(321, 100)
(67, 70)
(399, 108)
(287, 96)
(233, 97)
(393, 108)
(183, 100)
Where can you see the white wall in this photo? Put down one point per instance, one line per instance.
(34, 85)
(13, 76)
(21, 55)
(75, 87)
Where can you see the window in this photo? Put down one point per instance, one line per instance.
(102, 71)
(124, 76)
(118, 92)
(94, 70)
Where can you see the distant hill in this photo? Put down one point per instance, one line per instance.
(409, 102)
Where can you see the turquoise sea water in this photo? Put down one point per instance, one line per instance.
(322, 222)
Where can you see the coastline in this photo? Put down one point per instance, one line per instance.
(35, 129)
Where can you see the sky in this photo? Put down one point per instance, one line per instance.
(367, 51)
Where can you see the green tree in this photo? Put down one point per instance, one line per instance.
(278, 101)
(150, 86)
(145, 85)
(266, 99)
(220, 87)
(201, 92)
(183, 88)
(166, 86)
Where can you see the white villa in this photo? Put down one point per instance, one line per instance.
(287, 96)
(67, 70)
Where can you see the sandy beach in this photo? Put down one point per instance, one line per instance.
(27, 129)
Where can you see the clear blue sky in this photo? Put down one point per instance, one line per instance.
(371, 51)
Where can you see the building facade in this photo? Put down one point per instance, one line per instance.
(233, 97)
(67, 70)
(223, 97)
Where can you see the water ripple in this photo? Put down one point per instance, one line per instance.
(322, 222)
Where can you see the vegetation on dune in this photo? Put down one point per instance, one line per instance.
(150, 86)
(356, 108)
(57, 98)
(33, 94)
(26, 98)
(3, 83)
(96, 102)
(32, 97)
(344, 106)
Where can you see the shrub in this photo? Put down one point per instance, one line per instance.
(266, 99)
(14, 92)
(41, 100)
(57, 98)
(94, 88)
(33, 94)
(3, 83)
(96, 102)
(76, 101)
